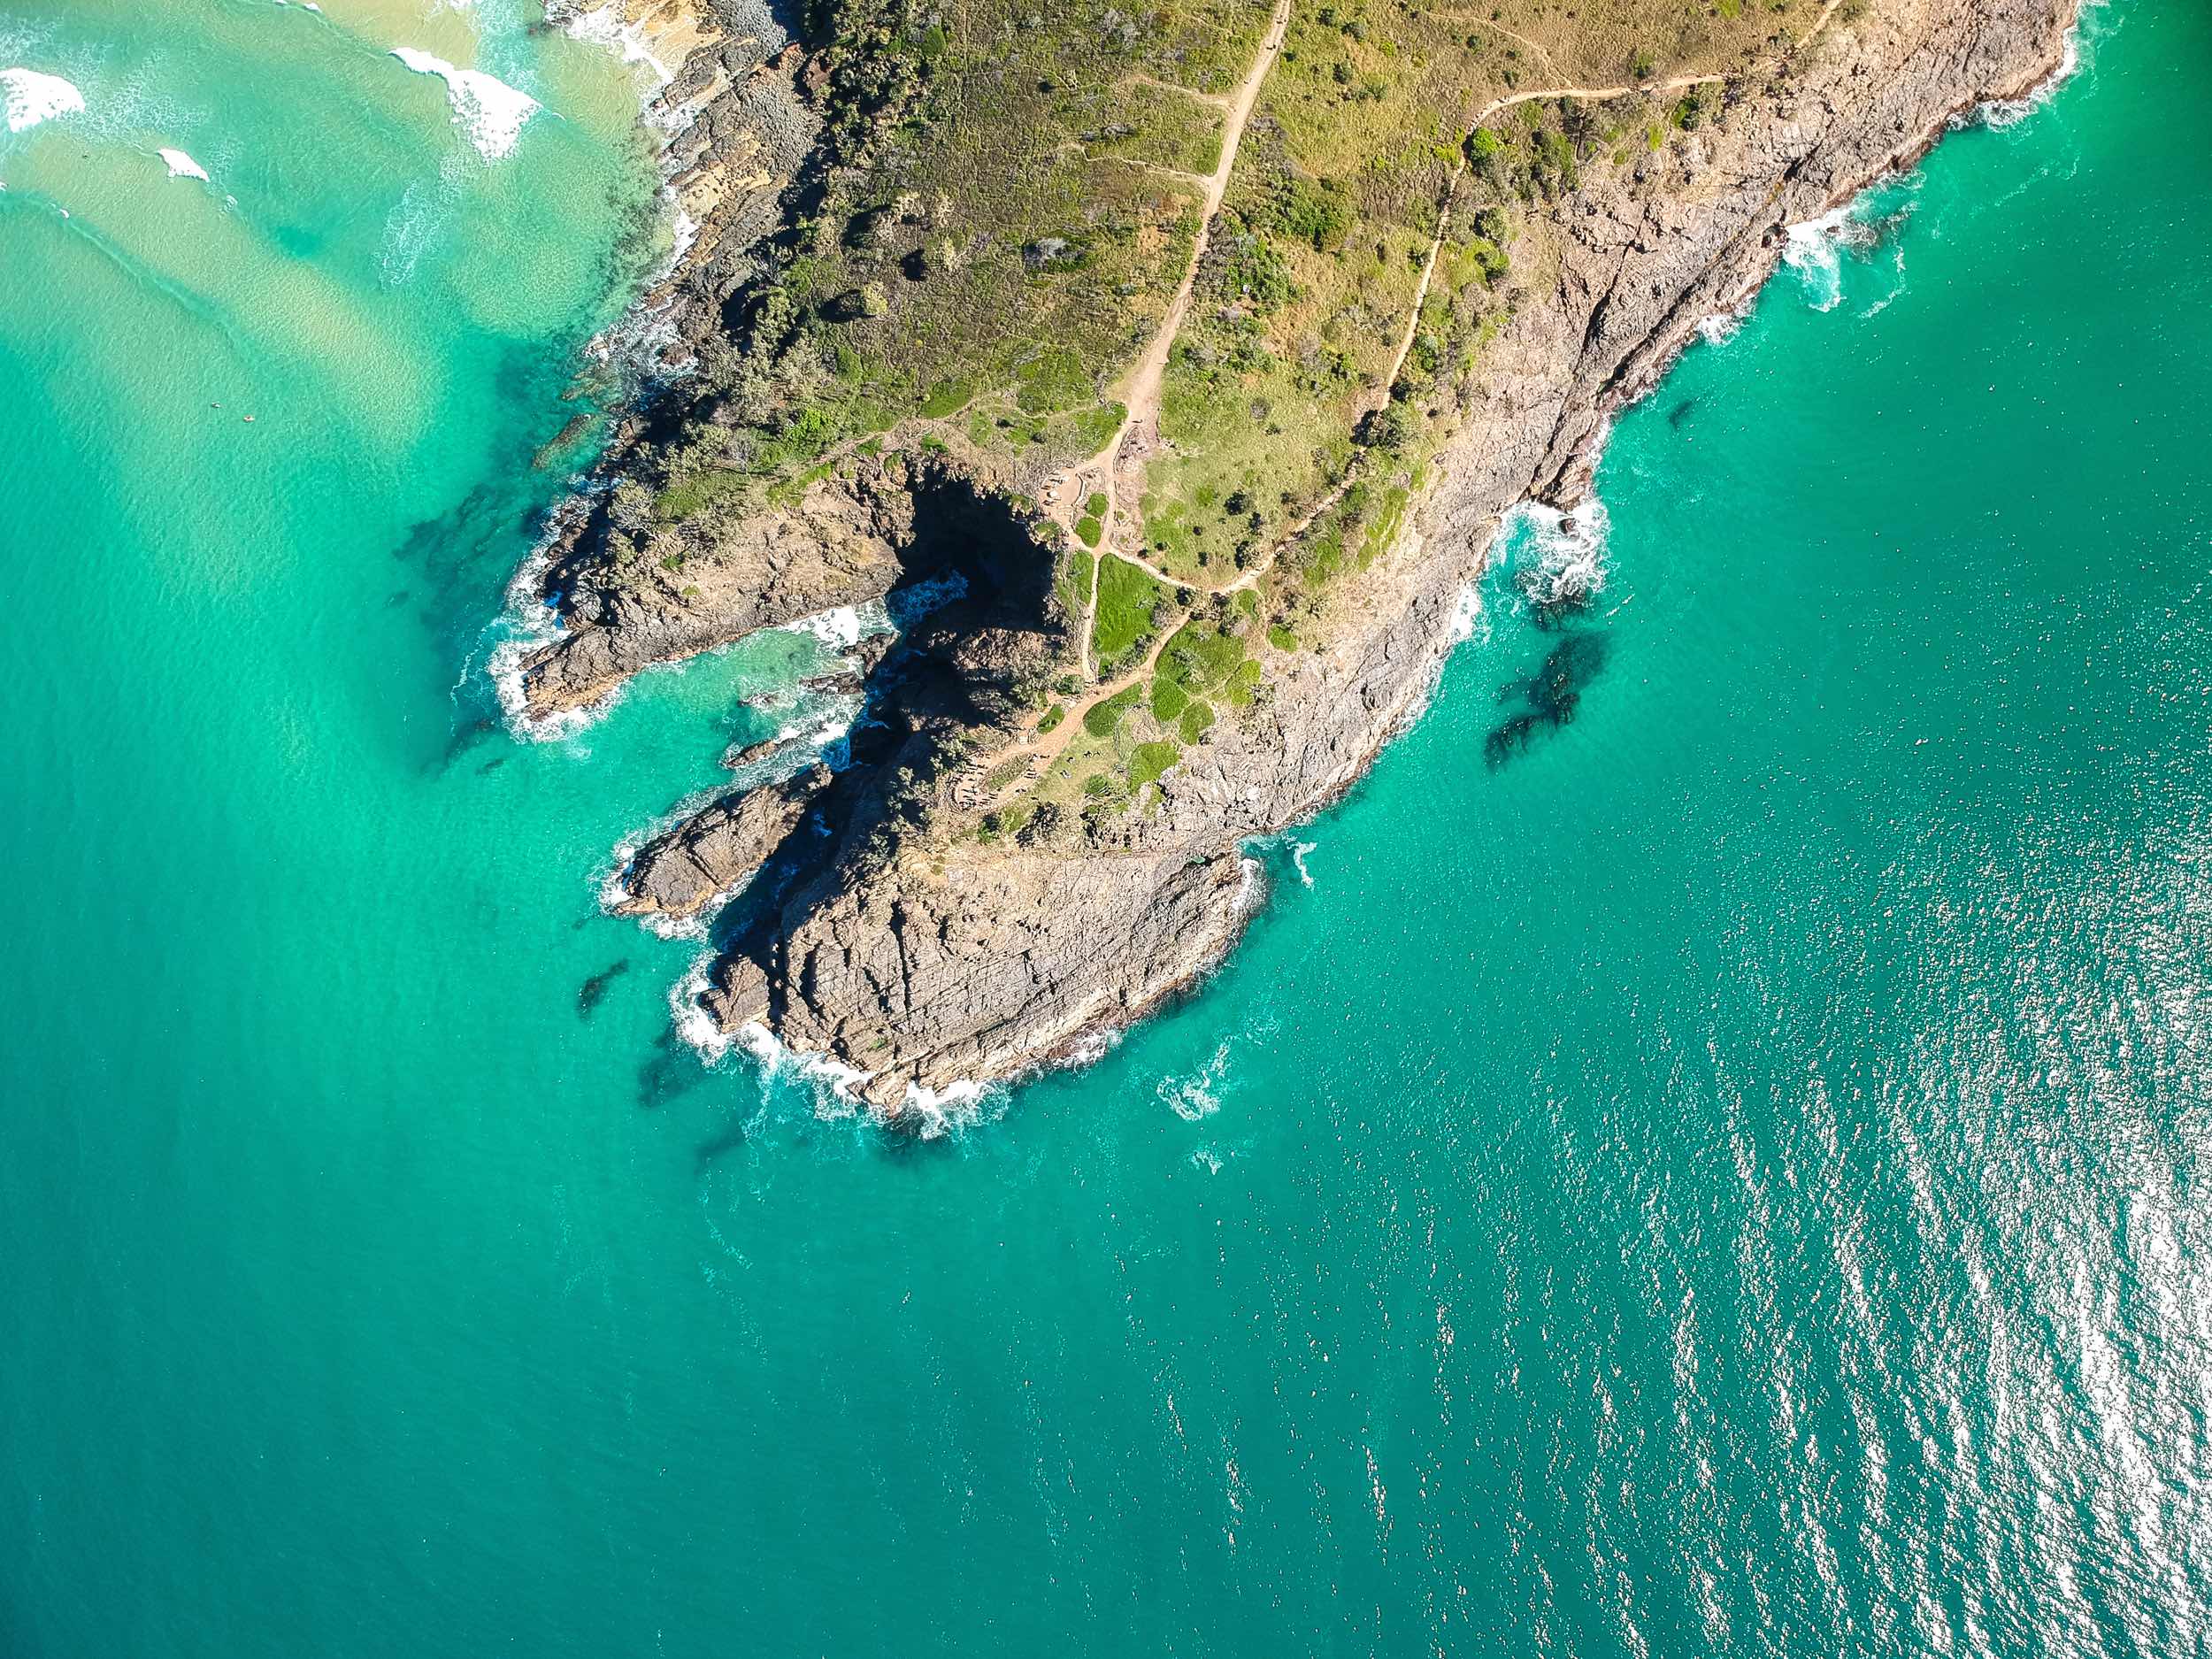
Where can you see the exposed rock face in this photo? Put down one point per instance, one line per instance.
(971, 974)
(739, 132)
(718, 849)
(626, 607)
(924, 964)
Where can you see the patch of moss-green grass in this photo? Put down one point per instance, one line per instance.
(1074, 586)
(1196, 720)
(1129, 600)
(1103, 719)
(1239, 693)
(1088, 530)
(1143, 126)
(947, 397)
(1168, 699)
(1199, 657)
(1050, 720)
(1053, 381)
(1149, 762)
(1281, 638)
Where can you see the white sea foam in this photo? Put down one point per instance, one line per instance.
(1814, 250)
(32, 97)
(694, 1025)
(838, 630)
(1563, 554)
(1298, 852)
(605, 27)
(182, 166)
(491, 111)
(1197, 1097)
(2003, 112)
(1469, 621)
(837, 1087)
(1724, 325)
(527, 623)
(1251, 886)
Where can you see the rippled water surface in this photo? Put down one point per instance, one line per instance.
(1713, 1169)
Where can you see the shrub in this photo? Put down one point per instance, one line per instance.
(1149, 762)
(1103, 719)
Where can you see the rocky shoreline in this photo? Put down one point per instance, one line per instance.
(916, 956)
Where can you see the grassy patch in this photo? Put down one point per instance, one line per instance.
(1148, 762)
(1281, 638)
(1103, 719)
(947, 397)
(1073, 587)
(1128, 605)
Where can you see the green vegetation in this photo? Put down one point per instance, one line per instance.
(1073, 589)
(1148, 761)
(1103, 719)
(1128, 604)
(1005, 203)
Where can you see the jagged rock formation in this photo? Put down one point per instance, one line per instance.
(923, 958)
(718, 849)
(625, 607)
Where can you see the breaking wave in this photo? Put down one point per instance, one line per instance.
(31, 97)
(487, 107)
(1558, 556)
(182, 166)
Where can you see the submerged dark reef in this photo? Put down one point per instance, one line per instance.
(1549, 699)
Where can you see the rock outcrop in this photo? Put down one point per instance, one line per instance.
(625, 607)
(718, 849)
(924, 961)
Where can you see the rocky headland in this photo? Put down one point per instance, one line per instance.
(942, 910)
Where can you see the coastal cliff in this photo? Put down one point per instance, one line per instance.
(990, 879)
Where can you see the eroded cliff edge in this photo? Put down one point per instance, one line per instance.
(902, 919)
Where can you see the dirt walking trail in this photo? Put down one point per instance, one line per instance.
(1119, 468)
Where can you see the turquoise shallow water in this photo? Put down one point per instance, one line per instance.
(1724, 1179)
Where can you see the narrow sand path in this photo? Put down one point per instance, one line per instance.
(1141, 397)
(1147, 383)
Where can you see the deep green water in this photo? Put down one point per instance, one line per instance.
(1725, 1180)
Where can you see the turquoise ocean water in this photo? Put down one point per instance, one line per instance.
(1721, 1179)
